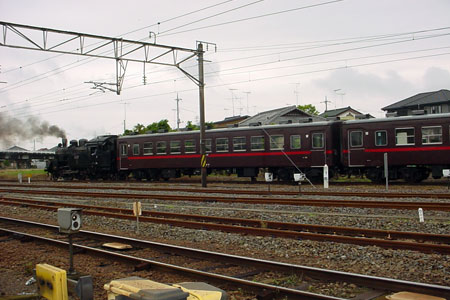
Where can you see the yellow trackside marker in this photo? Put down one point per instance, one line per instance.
(203, 161)
(52, 282)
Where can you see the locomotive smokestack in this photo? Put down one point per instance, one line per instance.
(64, 142)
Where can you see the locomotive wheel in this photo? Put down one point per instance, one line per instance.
(413, 175)
(375, 175)
(284, 175)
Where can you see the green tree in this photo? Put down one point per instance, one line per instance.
(309, 108)
(191, 126)
(161, 125)
(139, 128)
(153, 127)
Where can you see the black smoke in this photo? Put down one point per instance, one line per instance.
(12, 129)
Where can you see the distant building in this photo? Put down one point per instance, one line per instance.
(285, 115)
(429, 103)
(22, 158)
(230, 121)
(345, 113)
(17, 148)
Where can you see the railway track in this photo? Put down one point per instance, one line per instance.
(439, 206)
(224, 273)
(416, 241)
(258, 192)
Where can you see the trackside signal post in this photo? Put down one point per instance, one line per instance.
(122, 52)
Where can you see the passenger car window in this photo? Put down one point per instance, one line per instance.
(222, 145)
(148, 148)
(276, 142)
(123, 149)
(136, 149)
(175, 147)
(295, 142)
(208, 148)
(404, 136)
(257, 143)
(432, 135)
(356, 139)
(380, 138)
(239, 144)
(189, 146)
(161, 148)
(317, 140)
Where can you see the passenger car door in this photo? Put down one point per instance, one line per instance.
(355, 144)
(123, 156)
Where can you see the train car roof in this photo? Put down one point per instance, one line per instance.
(101, 138)
(393, 119)
(233, 129)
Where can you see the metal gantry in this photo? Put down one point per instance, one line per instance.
(119, 49)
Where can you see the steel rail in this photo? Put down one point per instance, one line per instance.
(352, 231)
(211, 277)
(381, 283)
(284, 233)
(249, 200)
(249, 192)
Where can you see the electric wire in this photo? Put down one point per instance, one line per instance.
(212, 16)
(129, 32)
(254, 17)
(281, 67)
(362, 39)
(253, 80)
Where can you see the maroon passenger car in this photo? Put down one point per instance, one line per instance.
(280, 149)
(416, 146)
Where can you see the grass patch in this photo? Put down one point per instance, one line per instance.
(11, 174)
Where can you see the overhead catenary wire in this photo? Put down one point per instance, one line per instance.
(254, 17)
(14, 85)
(332, 52)
(252, 80)
(306, 72)
(129, 32)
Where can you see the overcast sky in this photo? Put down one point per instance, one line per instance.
(366, 54)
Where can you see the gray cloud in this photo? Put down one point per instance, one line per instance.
(366, 84)
(436, 79)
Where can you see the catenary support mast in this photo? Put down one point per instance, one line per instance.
(121, 50)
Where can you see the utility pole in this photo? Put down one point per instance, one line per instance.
(124, 116)
(178, 112)
(201, 85)
(296, 91)
(232, 98)
(340, 94)
(247, 101)
(326, 103)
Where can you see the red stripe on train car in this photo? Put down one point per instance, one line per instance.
(406, 149)
(164, 156)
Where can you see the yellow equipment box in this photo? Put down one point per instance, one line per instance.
(202, 291)
(140, 288)
(52, 282)
(412, 296)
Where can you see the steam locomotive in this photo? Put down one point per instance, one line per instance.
(416, 146)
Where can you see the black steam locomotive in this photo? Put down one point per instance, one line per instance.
(83, 159)
(416, 146)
